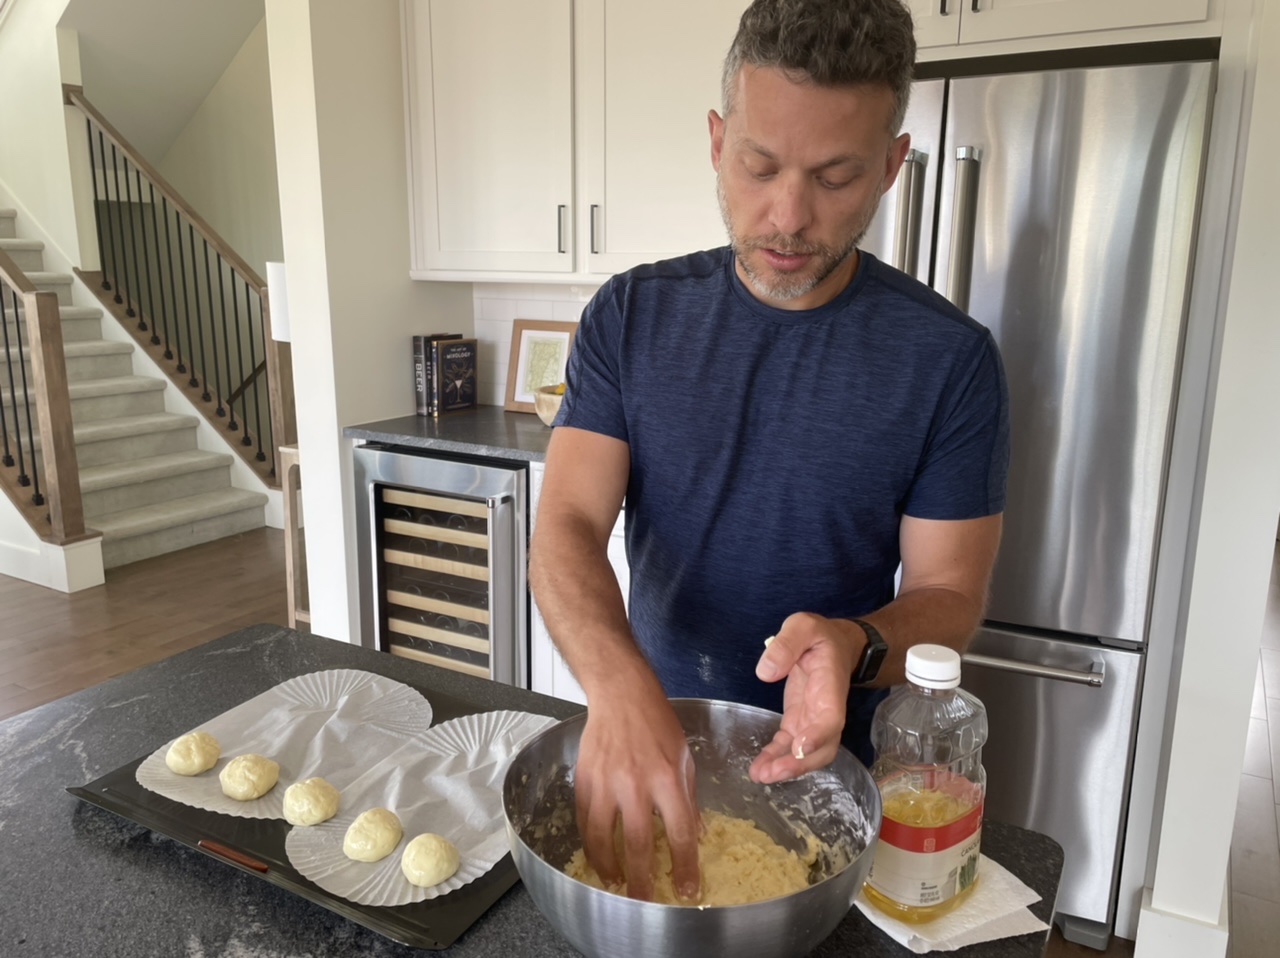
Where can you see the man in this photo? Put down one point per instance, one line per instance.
(788, 419)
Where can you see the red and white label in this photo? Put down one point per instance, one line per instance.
(926, 865)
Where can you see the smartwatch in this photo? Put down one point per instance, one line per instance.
(868, 665)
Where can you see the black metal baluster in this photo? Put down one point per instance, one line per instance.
(173, 288)
(164, 309)
(253, 361)
(232, 425)
(191, 347)
(195, 270)
(122, 275)
(253, 367)
(146, 260)
(133, 244)
(97, 212)
(7, 458)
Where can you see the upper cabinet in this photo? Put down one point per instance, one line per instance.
(941, 22)
(649, 191)
(489, 99)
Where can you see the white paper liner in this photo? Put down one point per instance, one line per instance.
(325, 723)
(448, 782)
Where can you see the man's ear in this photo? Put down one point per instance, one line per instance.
(894, 159)
(715, 126)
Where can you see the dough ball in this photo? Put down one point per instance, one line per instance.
(193, 753)
(310, 802)
(372, 836)
(247, 777)
(428, 860)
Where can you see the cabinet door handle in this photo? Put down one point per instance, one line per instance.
(560, 228)
(975, 7)
(595, 207)
(942, 8)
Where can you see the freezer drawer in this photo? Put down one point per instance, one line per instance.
(1062, 716)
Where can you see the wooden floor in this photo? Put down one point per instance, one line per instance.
(53, 644)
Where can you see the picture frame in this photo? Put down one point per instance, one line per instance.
(539, 353)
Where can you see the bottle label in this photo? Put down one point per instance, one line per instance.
(922, 865)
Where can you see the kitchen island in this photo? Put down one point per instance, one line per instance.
(80, 881)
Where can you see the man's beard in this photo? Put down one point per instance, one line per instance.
(789, 286)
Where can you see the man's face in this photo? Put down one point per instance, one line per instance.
(799, 171)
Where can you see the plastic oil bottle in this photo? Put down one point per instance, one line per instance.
(928, 735)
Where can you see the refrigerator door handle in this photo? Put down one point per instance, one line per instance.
(1091, 679)
(910, 203)
(963, 226)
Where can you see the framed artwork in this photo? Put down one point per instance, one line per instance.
(539, 351)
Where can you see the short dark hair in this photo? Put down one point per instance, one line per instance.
(832, 43)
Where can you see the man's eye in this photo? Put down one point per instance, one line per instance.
(835, 184)
(760, 172)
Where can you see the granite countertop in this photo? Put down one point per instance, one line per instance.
(80, 881)
(480, 431)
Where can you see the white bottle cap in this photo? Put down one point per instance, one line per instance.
(933, 666)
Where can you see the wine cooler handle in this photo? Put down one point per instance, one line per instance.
(963, 225)
(910, 202)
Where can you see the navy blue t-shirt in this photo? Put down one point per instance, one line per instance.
(773, 453)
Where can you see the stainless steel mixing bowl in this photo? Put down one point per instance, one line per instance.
(839, 804)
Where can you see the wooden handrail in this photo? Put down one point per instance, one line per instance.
(74, 96)
(53, 406)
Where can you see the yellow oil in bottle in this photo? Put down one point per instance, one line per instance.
(925, 808)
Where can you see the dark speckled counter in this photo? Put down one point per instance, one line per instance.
(482, 431)
(79, 881)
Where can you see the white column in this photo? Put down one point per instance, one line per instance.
(1184, 908)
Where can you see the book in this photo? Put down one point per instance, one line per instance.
(453, 368)
(423, 383)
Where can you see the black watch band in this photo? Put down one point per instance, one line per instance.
(868, 665)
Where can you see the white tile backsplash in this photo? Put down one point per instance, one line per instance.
(498, 306)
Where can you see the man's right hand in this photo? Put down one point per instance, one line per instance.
(634, 760)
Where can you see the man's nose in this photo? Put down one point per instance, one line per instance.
(792, 208)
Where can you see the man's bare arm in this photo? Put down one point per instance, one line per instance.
(633, 757)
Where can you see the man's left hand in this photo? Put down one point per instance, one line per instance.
(816, 656)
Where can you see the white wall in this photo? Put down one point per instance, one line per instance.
(1184, 909)
(337, 98)
(34, 162)
(498, 306)
(224, 160)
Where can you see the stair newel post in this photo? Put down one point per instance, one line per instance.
(173, 293)
(232, 425)
(212, 335)
(159, 286)
(97, 209)
(49, 369)
(195, 279)
(7, 459)
(146, 258)
(122, 274)
(24, 479)
(257, 392)
(133, 244)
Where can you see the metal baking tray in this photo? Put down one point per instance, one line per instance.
(436, 923)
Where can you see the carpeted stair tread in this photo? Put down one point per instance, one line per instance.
(97, 478)
(165, 515)
(122, 427)
(81, 348)
(114, 386)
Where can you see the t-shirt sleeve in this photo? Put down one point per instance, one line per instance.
(593, 380)
(965, 465)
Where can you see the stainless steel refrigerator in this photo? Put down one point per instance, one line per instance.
(1060, 210)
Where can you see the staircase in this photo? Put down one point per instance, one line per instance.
(145, 485)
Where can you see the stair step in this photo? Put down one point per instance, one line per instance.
(78, 323)
(27, 255)
(86, 359)
(59, 283)
(129, 438)
(8, 219)
(134, 534)
(94, 399)
(148, 483)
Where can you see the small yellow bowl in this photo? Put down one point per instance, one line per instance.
(546, 401)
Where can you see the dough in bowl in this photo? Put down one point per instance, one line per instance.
(310, 802)
(247, 777)
(193, 753)
(372, 836)
(428, 860)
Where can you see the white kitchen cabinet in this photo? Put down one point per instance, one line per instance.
(489, 104)
(942, 22)
(643, 96)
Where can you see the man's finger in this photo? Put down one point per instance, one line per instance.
(597, 840)
(782, 651)
(683, 825)
(637, 830)
(779, 747)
